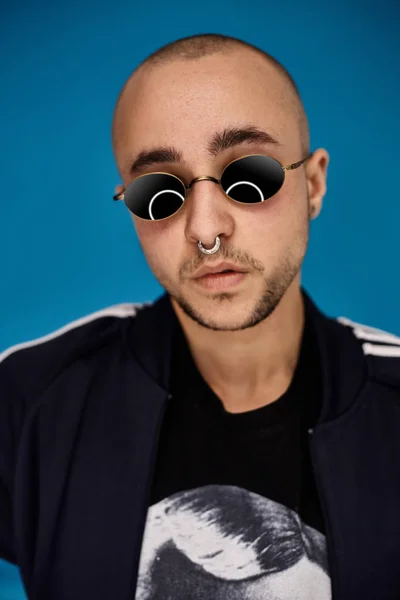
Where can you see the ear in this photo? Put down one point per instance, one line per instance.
(316, 173)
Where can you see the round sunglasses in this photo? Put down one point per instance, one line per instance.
(247, 180)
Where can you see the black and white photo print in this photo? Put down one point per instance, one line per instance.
(226, 543)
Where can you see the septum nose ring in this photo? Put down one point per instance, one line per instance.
(212, 250)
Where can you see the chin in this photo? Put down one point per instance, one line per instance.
(224, 312)
(224, 322)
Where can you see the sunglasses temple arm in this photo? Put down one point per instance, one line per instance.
(297, 164)
(118, 196)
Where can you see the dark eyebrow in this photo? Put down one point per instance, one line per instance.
(146, 158)
(227, 138)
(234, 136)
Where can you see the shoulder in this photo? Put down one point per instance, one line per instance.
(39, 359)
(381, 349)
(375, 342)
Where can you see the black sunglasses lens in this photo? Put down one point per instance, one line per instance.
(252, 179)
(154, 196)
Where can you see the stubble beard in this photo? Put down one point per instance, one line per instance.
(274, 288)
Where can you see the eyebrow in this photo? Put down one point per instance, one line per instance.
(220, 141)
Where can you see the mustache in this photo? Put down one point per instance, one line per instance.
(239, 259)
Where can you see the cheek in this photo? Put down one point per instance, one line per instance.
(279, 218)
(148, 234)
(158, 243)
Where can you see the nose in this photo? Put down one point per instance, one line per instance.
(208, 212)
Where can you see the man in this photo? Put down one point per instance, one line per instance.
(228, 440)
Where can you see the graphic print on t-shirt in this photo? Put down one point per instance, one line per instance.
(221, 542)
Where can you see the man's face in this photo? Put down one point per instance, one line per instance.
(181, 105)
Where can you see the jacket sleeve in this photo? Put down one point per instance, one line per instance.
(10, 417)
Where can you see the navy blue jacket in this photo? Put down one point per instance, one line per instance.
(80, 413)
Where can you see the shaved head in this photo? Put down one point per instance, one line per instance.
(189, 110)
(196, 47)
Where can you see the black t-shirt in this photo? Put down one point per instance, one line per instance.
(234, 510)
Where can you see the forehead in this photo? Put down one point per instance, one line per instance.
(183, 102)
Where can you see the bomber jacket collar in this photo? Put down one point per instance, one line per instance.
(343, 365)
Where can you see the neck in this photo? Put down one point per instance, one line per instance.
(251, 368)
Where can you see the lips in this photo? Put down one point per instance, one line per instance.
(221, 268)
(219, 282)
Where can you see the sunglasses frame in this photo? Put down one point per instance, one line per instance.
(284, 168)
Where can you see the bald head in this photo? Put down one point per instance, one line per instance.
(194, 48)
(189, 110)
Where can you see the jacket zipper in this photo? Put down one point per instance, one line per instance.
(321, 494)
(152, 464)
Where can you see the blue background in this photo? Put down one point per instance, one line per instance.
(68, 250)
